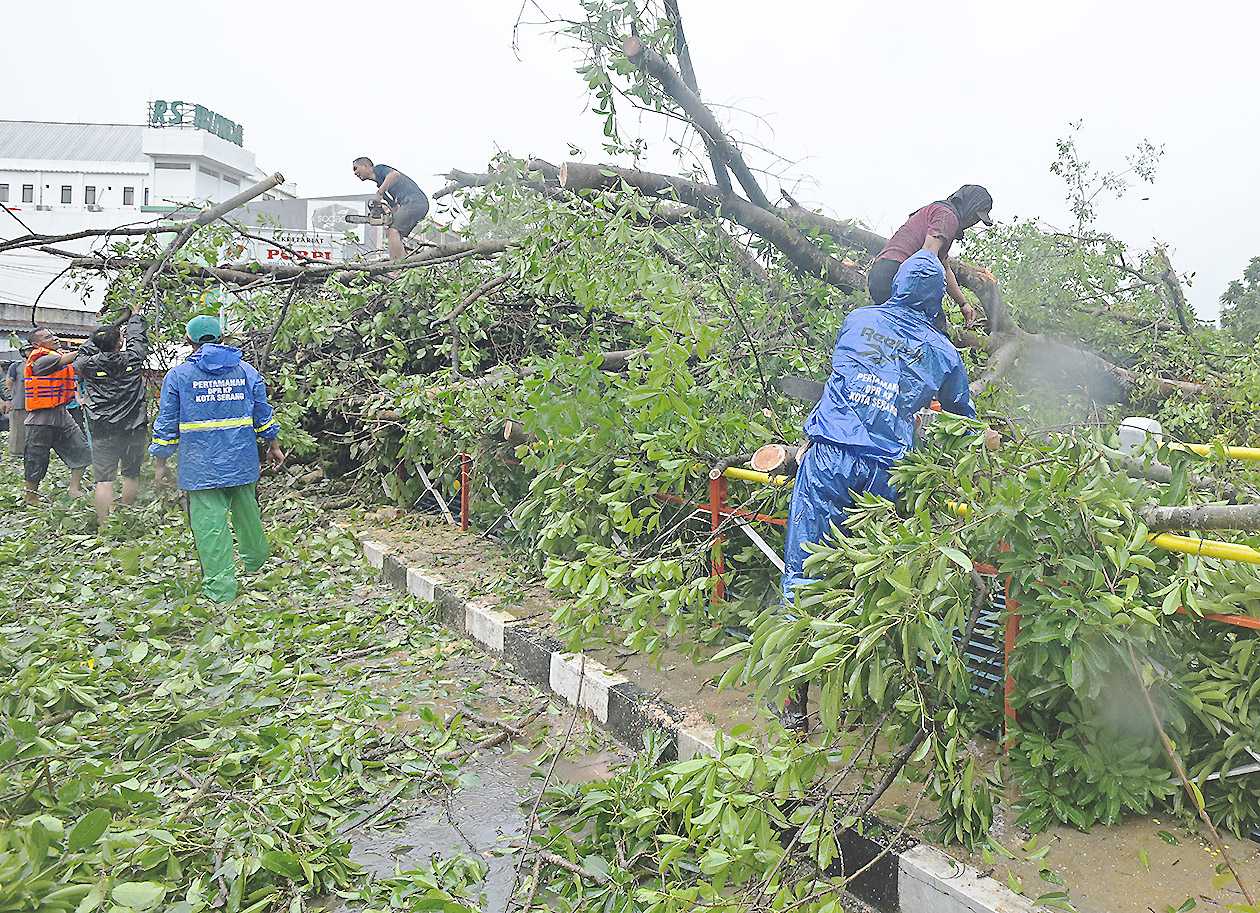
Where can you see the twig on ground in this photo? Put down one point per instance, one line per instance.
(381, 806)
(533, 814)
(572, 867)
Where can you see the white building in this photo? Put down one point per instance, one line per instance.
(56, 178)
(155, 167)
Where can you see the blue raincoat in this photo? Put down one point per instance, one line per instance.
(213, 408)
(889, 363)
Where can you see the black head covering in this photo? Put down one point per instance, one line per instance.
(972, 203)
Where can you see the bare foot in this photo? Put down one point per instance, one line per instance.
(32, 498)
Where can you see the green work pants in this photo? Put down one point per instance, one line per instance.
(208, 515)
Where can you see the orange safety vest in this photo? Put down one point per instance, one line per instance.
(47, 391)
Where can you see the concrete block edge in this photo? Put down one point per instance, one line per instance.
(928, 880)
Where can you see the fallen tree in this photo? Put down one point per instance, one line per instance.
(637, 326)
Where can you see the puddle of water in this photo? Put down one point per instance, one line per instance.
(487, 811)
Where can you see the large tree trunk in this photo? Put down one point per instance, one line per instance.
(707, 198)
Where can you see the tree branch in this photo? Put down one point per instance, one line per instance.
(275, 327)
(1168, 278)
(654, 65)
(688, 71)
(708, 199)
(1203, 516)
(208, 215)
(252, 272)
(480, 291)
(1158, 472)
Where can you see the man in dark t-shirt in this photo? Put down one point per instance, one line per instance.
(407, 202)
(933, 228)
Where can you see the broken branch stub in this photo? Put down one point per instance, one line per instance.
(514, 433)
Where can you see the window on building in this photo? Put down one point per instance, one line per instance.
(129, 196)
(173, 166)
(28, 193)
(89, 195)
(233, 181)
(146, 196)
(66, 193)
(4, 193)
(210, 174)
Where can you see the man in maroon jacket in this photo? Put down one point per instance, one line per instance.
(933, 228)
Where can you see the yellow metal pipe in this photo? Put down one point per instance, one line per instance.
(1208, 548)
(1170, 542)
(1249, 454)
(751, 475)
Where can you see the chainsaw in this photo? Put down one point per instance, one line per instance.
(378, 214)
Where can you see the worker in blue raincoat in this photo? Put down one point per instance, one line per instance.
(889, 363)
(213, 410)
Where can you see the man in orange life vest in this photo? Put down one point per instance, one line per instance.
(49, 382)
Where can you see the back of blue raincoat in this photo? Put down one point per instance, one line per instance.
(890, 361)
(213, 409)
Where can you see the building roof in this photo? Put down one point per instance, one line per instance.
(76, 324)
(31, 139)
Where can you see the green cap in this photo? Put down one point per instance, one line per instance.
(204, 328)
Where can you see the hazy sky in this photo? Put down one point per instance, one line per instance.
(882, 106)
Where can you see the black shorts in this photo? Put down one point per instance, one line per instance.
(41, 440)
(408, 215)
(112, 446)
(879, 280)
(879, 283)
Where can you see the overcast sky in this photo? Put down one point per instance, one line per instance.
(882, 106)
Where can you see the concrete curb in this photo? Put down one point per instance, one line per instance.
(910, 878)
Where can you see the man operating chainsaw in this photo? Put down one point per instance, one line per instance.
(406, 201)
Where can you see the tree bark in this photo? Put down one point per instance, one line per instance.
(1203, 517)
(1158, 472)
(688, 72)
(719, 145)
(708, 199)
